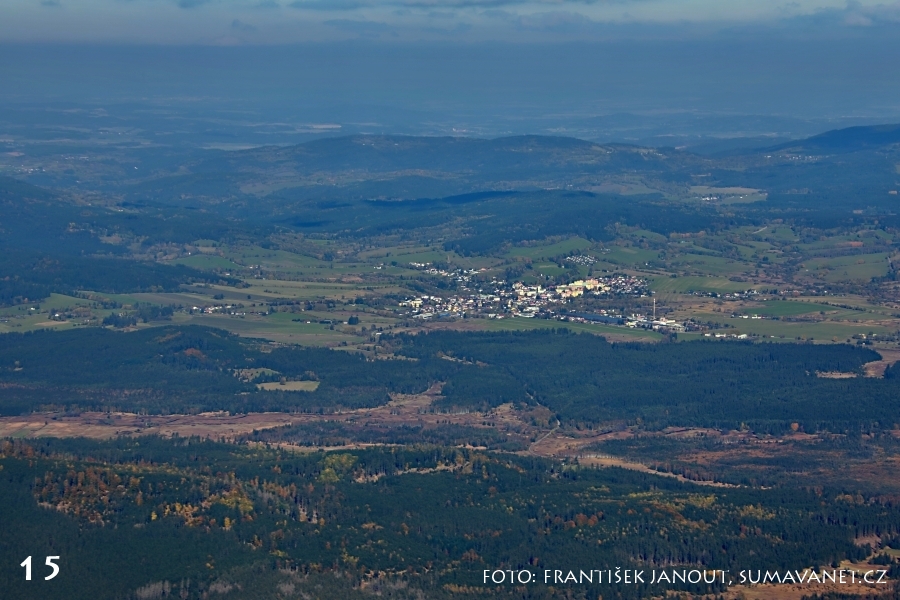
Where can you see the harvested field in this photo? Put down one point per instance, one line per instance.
(403, 409)
(835, 375)
(289, 386)
(100, 425)
(877, 368)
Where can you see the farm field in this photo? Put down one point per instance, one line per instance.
(522, 324)
(858, 267)
(823, 331)
(788, 308)
(684, 284)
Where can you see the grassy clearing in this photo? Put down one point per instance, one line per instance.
(550, 269)
(779, 233)
(564, 247)
(647, 234)
(291, 263)
(821, 331)
(630, 256)
(301, 290)
(390, 252)
(31, 323)
(696, 284)
(59, 301)
(520, 324)
(295, 328)
(313, 334)
(426, 256)
(207, 262)
(122, 299)
(846, 268)
(787, 308)
(711, 265)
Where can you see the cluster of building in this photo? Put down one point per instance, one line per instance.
(460, 275)
(613, 285)
(520, 300)
(226, 309)
(739, 336)
(585, 260)
(633, 320)
(745, 295)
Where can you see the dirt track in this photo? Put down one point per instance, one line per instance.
(877, 368)
(531, 427)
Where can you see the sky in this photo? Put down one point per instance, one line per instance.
(467, 67)
(241, 22)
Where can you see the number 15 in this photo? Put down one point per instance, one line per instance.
(49, 562)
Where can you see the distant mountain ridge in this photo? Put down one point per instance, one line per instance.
(851, 139)
(391, 152)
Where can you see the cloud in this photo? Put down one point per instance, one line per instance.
(858, 20)
(265, 21)
(239, 25)
(191, 3)
(337, 5)
(370, 29)
(444, 31)
(558, 21)
(853, 15)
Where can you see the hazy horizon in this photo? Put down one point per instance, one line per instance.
(611, 91)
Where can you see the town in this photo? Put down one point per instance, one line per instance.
(502, 300)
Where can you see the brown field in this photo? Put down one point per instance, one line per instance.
(100, 425)
(876, 368)
(889, 356)
(402, 410)
(739, 452)
(835, 374)
(289, 386)
(414, 410)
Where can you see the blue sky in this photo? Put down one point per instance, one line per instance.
(237, 22)
(461, 64)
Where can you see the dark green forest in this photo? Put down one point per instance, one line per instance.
(583, 379)
(198, 514)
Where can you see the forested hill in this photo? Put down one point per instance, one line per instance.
(49, 243)
(15, 189)
(33, 218)
(524, 154)
(534, 159)
(851, 139)
(404, 167)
